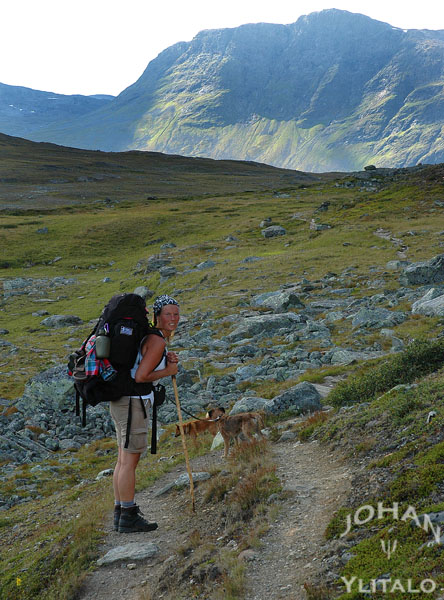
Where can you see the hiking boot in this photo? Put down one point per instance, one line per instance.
(117, 512)
(131, 521)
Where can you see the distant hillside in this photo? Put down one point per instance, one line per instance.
(333, 91)
(24, 111)
(37, 176)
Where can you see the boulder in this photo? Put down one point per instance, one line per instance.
(51, 387)
(273, 231)
(206, 264)
(303, 397)
(249, 404)
(167, 272)
(397, 265)
(278, 301)
(182, 480)
(424, 273)
(58, 321)
(144, 292)
(131, 551)
(247, 372)
(346, 357)
(431, 305)
(318, 226)
(268, 324)
(153, 263)
(377, 318)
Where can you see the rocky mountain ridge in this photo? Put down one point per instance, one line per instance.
(309, 96)
(24, 111)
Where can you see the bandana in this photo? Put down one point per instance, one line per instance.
(162, 301)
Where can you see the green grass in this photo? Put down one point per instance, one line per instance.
(409, 456)
(51, 543)
(419, 359)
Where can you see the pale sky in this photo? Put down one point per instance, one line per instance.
(103, 46)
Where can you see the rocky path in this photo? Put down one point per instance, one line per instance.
(316, 482)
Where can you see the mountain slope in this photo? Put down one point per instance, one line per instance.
(334, 90)
(24, 111)
(37, 176)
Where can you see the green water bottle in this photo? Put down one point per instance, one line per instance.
(103, 344)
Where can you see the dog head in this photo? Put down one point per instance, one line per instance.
(214, 413)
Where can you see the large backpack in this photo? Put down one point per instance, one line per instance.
(124, 320)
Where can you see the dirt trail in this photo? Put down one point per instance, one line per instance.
(316, 482)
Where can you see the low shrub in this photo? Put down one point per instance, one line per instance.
(419, 359)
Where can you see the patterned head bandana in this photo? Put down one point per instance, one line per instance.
(162, 301)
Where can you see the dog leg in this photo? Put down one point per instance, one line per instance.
(226, 445)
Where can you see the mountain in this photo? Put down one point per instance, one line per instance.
(333, 91)
(24, 111)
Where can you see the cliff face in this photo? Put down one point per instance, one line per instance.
(335, 90)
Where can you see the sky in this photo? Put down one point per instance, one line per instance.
(103, 46)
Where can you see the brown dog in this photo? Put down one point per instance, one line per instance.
(232, 426)
(193, 428)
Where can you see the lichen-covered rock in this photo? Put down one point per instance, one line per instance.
(424, 273)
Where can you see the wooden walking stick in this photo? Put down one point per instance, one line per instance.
(182, 435)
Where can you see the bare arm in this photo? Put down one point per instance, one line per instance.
(152, 352)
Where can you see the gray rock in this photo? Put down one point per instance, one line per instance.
(250, 259)
(131, 551)
(346, 357)
(144, 292)
(207, 264)
(303, 397)
(181, 481)
(397, 265)
(167, 271)
(51, 387)
(424, 273)
(184, 479)
(377, 318)
(69, 444)
(153, 263)
(318, 226)
(288, 436)
(278, 301)
(105, 473)
(249, 404)
(40, 313)
(273, 231)
(267, 324)
(431, 305)
(33, 287)
(247, 372)
(58, 321)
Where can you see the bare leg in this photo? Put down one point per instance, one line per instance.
(124, 478)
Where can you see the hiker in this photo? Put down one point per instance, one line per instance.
(153, 362)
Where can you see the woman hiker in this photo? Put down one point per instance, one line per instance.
(153, 362)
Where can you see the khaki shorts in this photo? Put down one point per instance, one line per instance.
(138, 439)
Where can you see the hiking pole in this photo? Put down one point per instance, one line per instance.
(182, 436)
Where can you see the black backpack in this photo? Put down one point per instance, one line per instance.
(124, 321)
